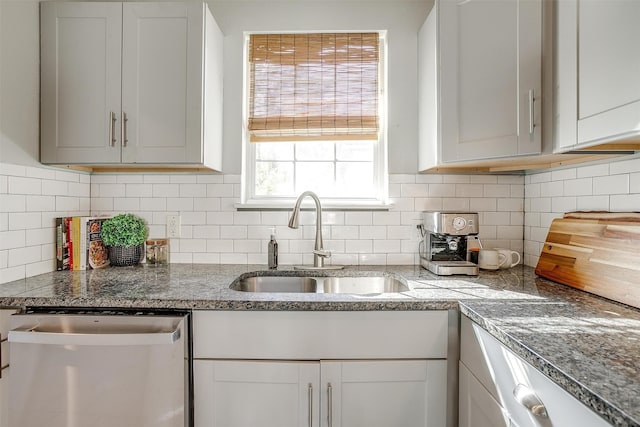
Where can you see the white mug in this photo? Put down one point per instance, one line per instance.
(512, 258)
(490, 259)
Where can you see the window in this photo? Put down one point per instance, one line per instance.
(313, 118)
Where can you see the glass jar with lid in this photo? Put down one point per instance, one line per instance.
(157, 252)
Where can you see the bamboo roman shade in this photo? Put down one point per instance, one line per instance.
(313, 86)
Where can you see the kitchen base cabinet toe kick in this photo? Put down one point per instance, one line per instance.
(325, 369)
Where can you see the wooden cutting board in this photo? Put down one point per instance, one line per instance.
(597, 252)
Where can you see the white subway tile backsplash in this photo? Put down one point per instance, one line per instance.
(551, 189)
(101, 205)
(247, 218)
(625, 166)
(386, 218)
(622, 203)
(130, 179)
(359, 246)
(210, 179)
(497, 190)
(153, 204)
(456, 179)
(346, 231)
(593, 203)
(12, 170)
(563, 174)
(634, 183)
(578, 187)
(428, 204)
(441, 190)
(4, 221)
(219, 190)
(373, 232)
(402, 179)
(183, 178)
(469, 190)
(3, 259)
(386, 246)
(193, 190)
(428, 179)
(126, 204)
(165, 190)
(417, 190)
(564, 204)
(67, 203)
(233, 232)
(193, 245)
(593, 170)
(112, 190)
(4, 186)
(12, 239)
(613, 184)
(455, 204)
(154, 179)
(511, 205)
(358, 218)
(22, 220)
(180, 204)
(13, 202)
(233, 258)
(140, 190)
(19, 185)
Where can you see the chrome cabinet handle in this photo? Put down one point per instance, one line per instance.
(532, 99)
(310, 397)
(124, 129)
(329, 405)
(112, 129)
(527, 398)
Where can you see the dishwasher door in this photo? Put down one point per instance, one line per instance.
(74, 370)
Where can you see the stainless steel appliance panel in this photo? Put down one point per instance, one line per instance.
(97, 370)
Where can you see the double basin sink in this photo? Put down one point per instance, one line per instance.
(326, 285)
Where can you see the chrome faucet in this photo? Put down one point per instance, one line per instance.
(319, 253)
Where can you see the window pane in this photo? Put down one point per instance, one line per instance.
(354, 179)
(274, 151)
(315, 176)
(322, 150)
(358, 151)
(274, 179)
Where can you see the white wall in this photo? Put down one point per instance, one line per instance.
(401, 19)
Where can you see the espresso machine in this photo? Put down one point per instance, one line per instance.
(445, 239)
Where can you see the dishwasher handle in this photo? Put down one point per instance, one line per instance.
(33, 336)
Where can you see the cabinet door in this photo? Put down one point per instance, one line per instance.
(255, 393)
(162, 82)
(476, 405)
(389, 393)
(609, 65)
(597, 92)
(80, 82)
(490, 78)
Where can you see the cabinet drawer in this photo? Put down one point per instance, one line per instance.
(320, 335)
(504, 374)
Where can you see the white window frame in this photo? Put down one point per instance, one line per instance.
(248, 199)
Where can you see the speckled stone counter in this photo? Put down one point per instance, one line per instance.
(587, 345)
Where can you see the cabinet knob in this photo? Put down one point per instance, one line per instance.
(527, 398)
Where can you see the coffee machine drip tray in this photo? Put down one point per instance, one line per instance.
(447, 268)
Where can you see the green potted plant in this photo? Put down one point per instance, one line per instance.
(124, 236)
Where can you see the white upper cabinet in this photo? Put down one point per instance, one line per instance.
(130, 83)
(480, 81)
(597, 63)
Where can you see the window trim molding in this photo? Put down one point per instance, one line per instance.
(248, 199)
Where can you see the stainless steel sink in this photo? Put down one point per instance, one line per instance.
(361, 285)
(328, 285)
(276, 284)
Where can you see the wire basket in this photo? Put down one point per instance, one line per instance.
(123, 256)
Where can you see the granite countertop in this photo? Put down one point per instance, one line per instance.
(586, 344)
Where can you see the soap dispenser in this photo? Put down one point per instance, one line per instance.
(272, 259)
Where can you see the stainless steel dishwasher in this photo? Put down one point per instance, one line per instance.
(99, 369)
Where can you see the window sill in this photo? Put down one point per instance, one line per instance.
(280, 205)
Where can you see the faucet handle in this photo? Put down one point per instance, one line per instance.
(322, 252)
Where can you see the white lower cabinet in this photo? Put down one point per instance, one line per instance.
(390, 393)
(477, 407)
(320, 369)
(498, 377)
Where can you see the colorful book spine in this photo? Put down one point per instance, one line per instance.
(68, 233)
(96, 253)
